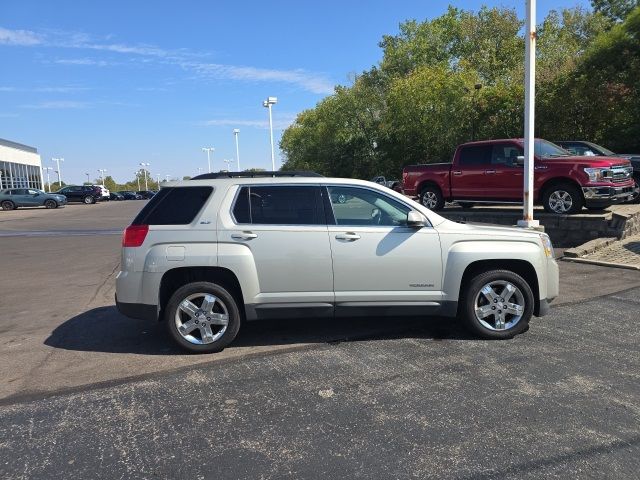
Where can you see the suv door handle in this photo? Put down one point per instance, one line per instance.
(490, 172)
(348, 236)
(244, 236)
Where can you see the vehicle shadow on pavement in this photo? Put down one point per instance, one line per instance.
(104, 329)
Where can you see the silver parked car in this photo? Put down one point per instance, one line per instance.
(207, 254)
(12, 198)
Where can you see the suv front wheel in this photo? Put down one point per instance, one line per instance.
(497, 304)
(202, 317)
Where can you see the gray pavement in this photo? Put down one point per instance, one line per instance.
(86, 392)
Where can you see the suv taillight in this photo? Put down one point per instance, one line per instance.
(134, 235)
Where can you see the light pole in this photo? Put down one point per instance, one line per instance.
(158, 180)
(138, 179)
(199, 170)
(143, 165)
(208, 150)
(268, 103)
(476, 90)
(102, 171)
(87, 174)
(236, 131)
(228, 162)
(167, 177)
(48, 169)
(529, 116)
(58, 171)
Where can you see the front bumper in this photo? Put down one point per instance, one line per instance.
(607, 195)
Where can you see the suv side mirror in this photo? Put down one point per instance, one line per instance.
(415, 219)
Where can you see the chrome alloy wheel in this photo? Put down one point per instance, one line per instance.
(201, 318)
(499, 305)
(430, 200)
(560, 201)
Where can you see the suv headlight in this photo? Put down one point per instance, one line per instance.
(547, 245)
(599, 174)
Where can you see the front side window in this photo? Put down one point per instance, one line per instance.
(363, 207)
(505, 154)
(279, 205)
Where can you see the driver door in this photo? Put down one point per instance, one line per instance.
(377, 259)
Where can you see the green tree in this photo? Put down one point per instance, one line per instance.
(615, 9)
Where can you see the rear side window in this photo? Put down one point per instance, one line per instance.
(475, 155)
(279, 205)
(174, 206)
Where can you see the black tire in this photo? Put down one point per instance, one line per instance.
(466, 204)
(636, 190)
(88, 200)
(225, 301)
(8, 205)
(471, 293)
(431, 197)
(562, 198)
(51, 204)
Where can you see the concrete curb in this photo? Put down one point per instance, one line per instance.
(602, 263)
(590, 247)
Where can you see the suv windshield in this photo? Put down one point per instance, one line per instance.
(545, 149)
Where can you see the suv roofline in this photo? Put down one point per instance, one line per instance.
(292, 173)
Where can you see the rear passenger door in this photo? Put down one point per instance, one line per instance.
(470, 175)
(284, 229)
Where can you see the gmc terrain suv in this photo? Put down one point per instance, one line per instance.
(207, 254)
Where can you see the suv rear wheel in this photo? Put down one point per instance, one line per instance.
(431, 197)
(202, 317)
(8, 205)
(89, 200)
(497, 304)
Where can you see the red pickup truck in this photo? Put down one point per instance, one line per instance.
(492, 172)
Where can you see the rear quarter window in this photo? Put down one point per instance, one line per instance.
(174, 206)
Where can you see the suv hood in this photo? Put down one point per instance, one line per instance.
(489, 230)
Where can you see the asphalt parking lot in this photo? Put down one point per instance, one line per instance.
(86, 392)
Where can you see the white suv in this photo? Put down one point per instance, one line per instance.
(207, 254)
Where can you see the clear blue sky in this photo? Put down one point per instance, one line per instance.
(114, 83)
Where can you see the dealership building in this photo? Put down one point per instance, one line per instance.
(20, 166)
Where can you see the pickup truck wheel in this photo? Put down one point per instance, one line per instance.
(431, 197)
(202, 317)
(635, 198)
(497, 304)
(562, 198)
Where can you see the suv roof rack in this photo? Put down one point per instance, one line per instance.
(292, 173)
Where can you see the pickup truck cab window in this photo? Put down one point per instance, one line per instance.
(474, 155)
(506, 154)
(360, 206)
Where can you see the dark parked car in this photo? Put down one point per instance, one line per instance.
(13, 198)
(116, 196)
(128, 195)
(81, 193)
(589, 149)
(146, 194)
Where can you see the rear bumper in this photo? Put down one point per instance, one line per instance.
(140, 311)
(602, 196)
